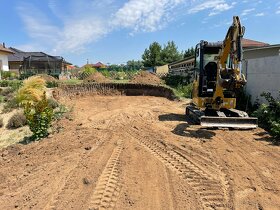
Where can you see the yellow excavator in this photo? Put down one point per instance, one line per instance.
(217, 78)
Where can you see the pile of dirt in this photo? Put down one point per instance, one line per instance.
(145, 77)
(97, 77)
(46, 77)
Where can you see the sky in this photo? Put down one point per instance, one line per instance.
(115, 31)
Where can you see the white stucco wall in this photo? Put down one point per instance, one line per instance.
(5, 63)
(263, 75)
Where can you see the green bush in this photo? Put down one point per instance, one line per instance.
(105, 73)
(10, 105)
(175, 80)
(269, 115)
(184, 90)
(52, 84)
(52, 103)
(16, 121)
(39, 117)
(4, 83)
(14, 84)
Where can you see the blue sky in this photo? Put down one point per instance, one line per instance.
(114, 31)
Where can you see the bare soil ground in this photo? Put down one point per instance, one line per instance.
(140, 153)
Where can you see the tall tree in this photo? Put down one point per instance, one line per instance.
(170, 53)
(152, 56)
(134, 65)
(189, 52)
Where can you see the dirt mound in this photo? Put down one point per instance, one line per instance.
(145, 77)
(97, 77)
(46, 77)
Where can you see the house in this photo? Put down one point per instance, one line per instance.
(31, 63)
(4, 53)
(261, 68)
(161, 70)
(98, 65)
(182, 67)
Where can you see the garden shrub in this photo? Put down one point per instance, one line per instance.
(14, 84)
(184, 90)
(39, 117)
(11, 104)
(16, 121)
(39, 114)
(52, 103)
(175, 80)
(52, 84)
(269, 115)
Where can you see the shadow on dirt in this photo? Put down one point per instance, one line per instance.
(264, 136)
(172, 117)
(184, 129)
(26, 140)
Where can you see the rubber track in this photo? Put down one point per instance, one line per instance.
(213, 193)
(108, 185)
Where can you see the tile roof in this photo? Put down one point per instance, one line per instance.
(248, 43)
(19, 56)
(6, 50)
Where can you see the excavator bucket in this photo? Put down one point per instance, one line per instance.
(243, 121)
(229, 122)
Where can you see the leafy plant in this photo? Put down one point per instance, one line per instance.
(269, 115)
(52, 103)
(16, 121)
(39, 117)
(10, 104)
(38, 112)
(52, 84)
(184, 90)
(14, 84)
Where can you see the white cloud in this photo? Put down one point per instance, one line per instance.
(259, 14)
(277, 12)
(247, 11)
(145, 15)
(79, 23)
(215, 7)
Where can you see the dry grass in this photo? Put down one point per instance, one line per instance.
(9, 137)
(32, 90)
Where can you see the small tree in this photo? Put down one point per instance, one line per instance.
(39, 117)
(32, 97)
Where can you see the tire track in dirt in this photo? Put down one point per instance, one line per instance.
(212, 191)
(68, 178)
(108, 184)
(62, 189)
